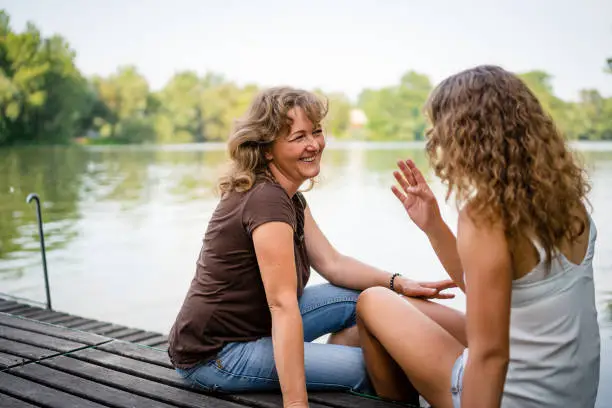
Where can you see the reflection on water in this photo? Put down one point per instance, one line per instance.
(123, 225)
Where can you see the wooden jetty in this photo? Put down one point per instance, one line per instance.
(60, 360)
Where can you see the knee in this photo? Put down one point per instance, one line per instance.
(369, 298)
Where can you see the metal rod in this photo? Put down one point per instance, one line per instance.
(41, 235)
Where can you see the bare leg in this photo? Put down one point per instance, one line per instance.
(451, 320)
(423, 349)
(346, 337)
(386, 375)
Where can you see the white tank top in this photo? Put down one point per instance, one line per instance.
(554, 335)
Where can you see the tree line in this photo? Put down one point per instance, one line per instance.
(45, 99)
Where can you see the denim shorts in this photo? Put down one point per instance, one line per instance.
(457, 378)
(249, 366)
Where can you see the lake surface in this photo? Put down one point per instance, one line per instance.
(123, 225)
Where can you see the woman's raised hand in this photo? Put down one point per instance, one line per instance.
(416, 196)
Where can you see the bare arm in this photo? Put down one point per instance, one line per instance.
(484, 254)
(341, 270)
(348, 272)
(422, 208)
(273, 243)
(444, 243)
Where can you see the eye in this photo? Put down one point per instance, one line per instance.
(298, 137)
(318, 132)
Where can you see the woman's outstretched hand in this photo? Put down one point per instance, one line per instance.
(416, 196)
(428, 290)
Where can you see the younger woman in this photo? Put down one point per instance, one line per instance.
(523, 255)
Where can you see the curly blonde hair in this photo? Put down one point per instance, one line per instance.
(266, 120)
(494, 146)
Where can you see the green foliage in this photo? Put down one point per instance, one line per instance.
(395, 113)
(45, 99)
(43, 96)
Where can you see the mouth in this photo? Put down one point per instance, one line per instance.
(309, 159)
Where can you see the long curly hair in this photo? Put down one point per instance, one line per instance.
(496, 148)
(266, 120)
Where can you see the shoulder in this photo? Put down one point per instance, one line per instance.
(475, 233)
(267, 202)
(266, 193)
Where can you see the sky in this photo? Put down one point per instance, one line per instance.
(335, 45)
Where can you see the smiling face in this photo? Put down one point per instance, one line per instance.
(296, 156)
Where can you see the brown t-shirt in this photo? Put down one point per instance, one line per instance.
(226, 301)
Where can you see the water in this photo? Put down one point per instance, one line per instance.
(124, 225)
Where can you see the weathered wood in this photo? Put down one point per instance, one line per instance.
(135, 384)
(123, 333)
(44, 314)
(9, 360)
(167, 376)
(161, 346)
(91, 326)
(139, 337)
(10, 402)
(51, 330)
(8, 306)
(53, 366)
(39, 340)
(345, 399)
(32, 311)
(155, 340)
(40, 394)
(137, 352)
(23, 309)
(60, 319)
(107, 329)
(25, 350)
(85, 388)
(131, 366)
(80, 322)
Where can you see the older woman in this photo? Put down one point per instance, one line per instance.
(248, 320)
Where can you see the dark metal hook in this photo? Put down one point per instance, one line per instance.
(41, 235)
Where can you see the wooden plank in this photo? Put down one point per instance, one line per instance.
(91, 326)
(108, 329)
(166, 376)
(81, 322)
(23, 309)
(33, 310)
(128, 365)
(51, 330)
(45, 314)
(138, 337)
(85, 388)
(40, 394)
(10, 402)
(39, 340)
(265, 400)
(161, 346)
(9, 360)
(346, 399)
(24, 350)
(60, 319)
(140, 386)
(7, 307)
(155, 340)
(137, 352)
(124, 333)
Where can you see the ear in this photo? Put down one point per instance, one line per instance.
(268, 154)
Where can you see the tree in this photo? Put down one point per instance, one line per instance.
(126, 107)
(396, 112)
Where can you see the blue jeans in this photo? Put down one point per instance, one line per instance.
(249, 366)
